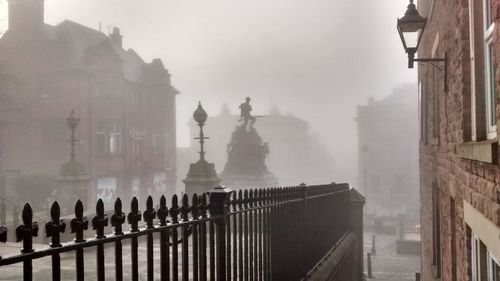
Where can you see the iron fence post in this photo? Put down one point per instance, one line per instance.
(218, 208)
(369, 265)
(357, 202)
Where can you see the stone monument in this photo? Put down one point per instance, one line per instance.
(73, 181)
(202, 176)
(247, 154)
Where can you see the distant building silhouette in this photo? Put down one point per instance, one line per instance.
(388, 152)
(127, 106)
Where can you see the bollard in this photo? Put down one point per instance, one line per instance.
(417, 276)
(369, 265)
(373, 251)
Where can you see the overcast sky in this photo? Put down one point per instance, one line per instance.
(315, 58)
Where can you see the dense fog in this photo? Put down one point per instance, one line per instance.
(106, 99)
(315, 60)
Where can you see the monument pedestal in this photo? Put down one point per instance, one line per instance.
(73, 183)
(201, 178)
(246, 163)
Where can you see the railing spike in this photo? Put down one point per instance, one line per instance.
(203, 205)
(174, 210)
(245, 198)
(55, 211)
(250, 198)
(99, 207)
(56, 226)
(163, 211)
(134, 217)
(80, 223)
(234, 200)
(150, 213)
(118, 218)
(27, 230)
(3, 233)
(100, 220)
(79, 209)
(195, 207)
(185, 208)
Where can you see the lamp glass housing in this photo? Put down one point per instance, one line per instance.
(411, 27)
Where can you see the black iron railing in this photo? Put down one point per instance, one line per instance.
(257, 234)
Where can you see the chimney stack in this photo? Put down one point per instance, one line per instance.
(116, 38)
(26, 16)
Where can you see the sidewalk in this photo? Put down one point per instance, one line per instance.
(386, 264)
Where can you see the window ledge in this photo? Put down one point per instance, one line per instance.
(483, 151)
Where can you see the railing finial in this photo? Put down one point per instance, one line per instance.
(80, 223)
(203, 205)
(27, 230)
(150, 213)
(55, 227)
(174, 210)
(163, 211)
(100, 220)
(134, 217)
(185, 208)
(195, 207)
(118, 218)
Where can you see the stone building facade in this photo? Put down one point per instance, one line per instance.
(127, 134)
(459, 167)
(388, 152)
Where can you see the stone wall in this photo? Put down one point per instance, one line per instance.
(446, 123)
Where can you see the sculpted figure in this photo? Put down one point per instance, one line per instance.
(246, 114)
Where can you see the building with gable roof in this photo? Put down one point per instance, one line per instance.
(127, 133)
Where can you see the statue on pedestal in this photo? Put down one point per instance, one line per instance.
(247, 154)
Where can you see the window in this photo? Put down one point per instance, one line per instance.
(134, 97)
(115, 139)
(490, 71)
(483, 84)
(101, 141)
(493, 268)
(167, 143)
(106, 190)
(483, 265)
(157, 144)
(136, 147)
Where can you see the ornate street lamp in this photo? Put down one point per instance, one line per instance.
(73, 180)
(202, 175)
(411, 28)
(200, 116)
(73, 122)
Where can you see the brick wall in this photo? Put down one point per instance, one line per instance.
(455, 178)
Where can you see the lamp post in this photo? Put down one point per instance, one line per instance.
(73, 122)
(200, 116)
(73, 180)
(411, 28)
(365, 175)
(202, 175)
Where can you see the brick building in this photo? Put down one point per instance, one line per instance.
(126, 105)
(460, 173)
(388, 152)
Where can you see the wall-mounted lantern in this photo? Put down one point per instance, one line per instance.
(411, 28)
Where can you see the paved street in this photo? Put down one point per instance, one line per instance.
(42, 267)
(386, 264)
